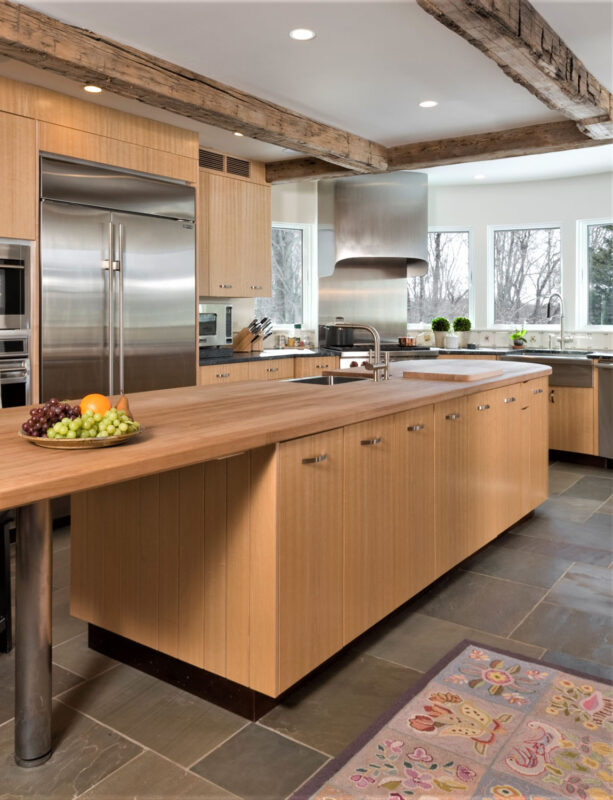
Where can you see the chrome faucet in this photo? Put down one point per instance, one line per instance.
(381, 369)
(563, 339)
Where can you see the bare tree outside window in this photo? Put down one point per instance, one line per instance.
(527, 270)
(443, 291)
(600, 274)
(286, 304)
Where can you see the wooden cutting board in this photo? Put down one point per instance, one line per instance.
(455, 370)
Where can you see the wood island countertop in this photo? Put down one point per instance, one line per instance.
(201, 423)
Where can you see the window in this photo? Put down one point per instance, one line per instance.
(293, 278)
(527, 270)
(598, 242)
(444, 290)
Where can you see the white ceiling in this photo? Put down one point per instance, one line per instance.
(370, 65)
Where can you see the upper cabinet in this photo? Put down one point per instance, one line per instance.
(235, 237)
(18, 198)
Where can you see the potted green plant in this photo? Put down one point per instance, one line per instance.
(461, 326)
(440, 326)
(519, 339)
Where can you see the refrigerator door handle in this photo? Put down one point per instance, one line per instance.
(118, 265)
(109, 265)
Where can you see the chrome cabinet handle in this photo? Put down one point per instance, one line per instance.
(225, 285)
(552, 397)
(376, 440)
(509, 399)
(452, 416)
(484, 407)
(256, 287)
(537, 391)
(416, 427)
(222, 375)
(272, 369)
(321, 366)
(315, 459)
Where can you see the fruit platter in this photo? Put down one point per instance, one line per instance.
(91, 424)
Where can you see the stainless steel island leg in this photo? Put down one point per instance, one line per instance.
(33, 635)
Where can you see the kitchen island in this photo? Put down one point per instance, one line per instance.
(255, 529)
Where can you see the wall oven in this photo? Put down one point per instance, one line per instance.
(214, 324)
(14, 279)
(14, 369)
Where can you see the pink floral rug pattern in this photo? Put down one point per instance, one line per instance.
(487, 726)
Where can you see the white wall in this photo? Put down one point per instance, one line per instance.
(561, 201)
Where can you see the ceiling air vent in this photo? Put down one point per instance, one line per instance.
(236, 166)
(210, 160)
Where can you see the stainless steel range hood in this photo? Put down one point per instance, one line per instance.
(372, 236)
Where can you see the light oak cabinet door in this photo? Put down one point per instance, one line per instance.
(273, 369)
(310, 553)
(513, 456)
(535, 487)
(235, 237)
(223, 373)
(307, 366)
(18, 193)
(373, 459)
(571, 419)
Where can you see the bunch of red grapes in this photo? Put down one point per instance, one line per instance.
(43, 418)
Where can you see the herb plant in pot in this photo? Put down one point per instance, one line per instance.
(519, 339)
(461, 325)
(440, 326)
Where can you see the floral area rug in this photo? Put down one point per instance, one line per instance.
(483, 725)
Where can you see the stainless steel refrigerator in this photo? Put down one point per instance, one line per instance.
(118, 304)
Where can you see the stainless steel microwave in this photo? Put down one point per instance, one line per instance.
(214, 324)
(14, 277)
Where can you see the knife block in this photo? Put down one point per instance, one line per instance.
(242, 342)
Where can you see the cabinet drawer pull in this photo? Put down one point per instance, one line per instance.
(416, 427)
(509, 399)
(376, 440)
(315, 459)
(552, 397)
(452, 416)
(256, 287)
(222, 375)
(272, 369)
(321, 366)
(484, 407)
(225, 285)
(537, 391)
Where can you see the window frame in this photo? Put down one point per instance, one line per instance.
(309, 277)
(491, 273)
(471, 260)
(582, 276)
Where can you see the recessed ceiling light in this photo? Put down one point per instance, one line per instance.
(479, 176)
(302, 34)
(428, 103)
(92, 89)
(237, 133)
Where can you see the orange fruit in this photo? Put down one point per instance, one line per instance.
(96, 403)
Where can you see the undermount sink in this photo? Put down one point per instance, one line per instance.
(568, 368)
(328, 380)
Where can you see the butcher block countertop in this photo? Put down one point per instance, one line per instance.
(200, 423)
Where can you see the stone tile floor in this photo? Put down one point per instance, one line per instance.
(543, 590)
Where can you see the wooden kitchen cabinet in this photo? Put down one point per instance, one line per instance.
(305, 367)
(571, 419)
(234, 238)
(223, 373)
(19, 192)
(535, 444)
(272, 369)
(513, 457)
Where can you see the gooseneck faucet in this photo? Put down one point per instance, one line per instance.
(379, 368)
(561, 309)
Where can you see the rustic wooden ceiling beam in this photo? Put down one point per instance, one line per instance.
(34, 38)
(514, 35)
(528, 140)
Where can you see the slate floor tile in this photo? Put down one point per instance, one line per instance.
(337, 704)
(83, 754)
(478, 601)
(172, 722)
(606, 508)
(259, 764)
(596, 532)
(587, 588)
(583, 469)
(591, 488)
(557, 548)
(576, 633)
(564, 661)
(76, 656)
(574, 509)
(61, 538)
(61, 680)
(61, 568)
(560, 481)
(503, 562)
(149, 776)
(64, 625)
(418, 641)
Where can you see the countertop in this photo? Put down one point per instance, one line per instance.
(225, 355)
(199, 423)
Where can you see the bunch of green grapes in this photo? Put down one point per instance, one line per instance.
(94, 426)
